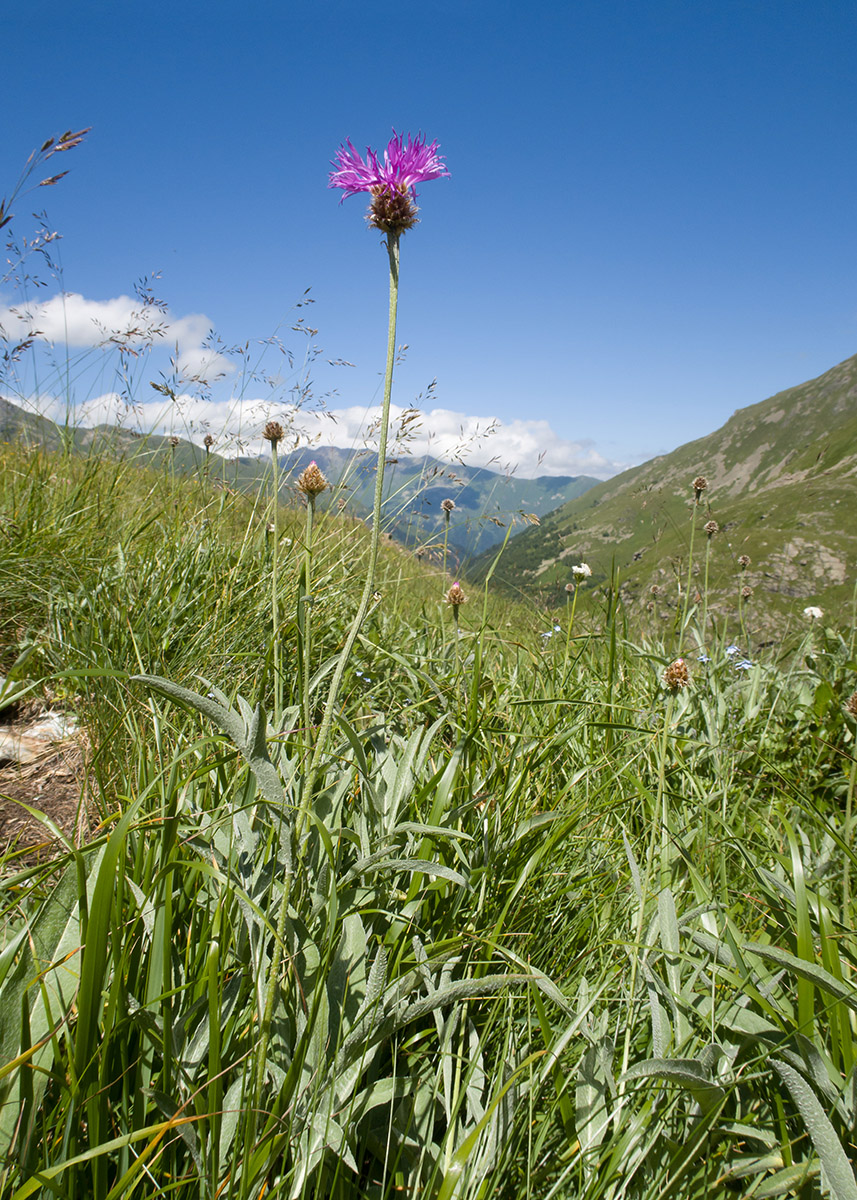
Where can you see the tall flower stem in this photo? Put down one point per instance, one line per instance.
(569, 629)
(689, 581)
(305, 621)
(846, 869)
(369, 585)
(705, 596)
(275, 584)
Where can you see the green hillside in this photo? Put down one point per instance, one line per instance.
(780, 486)
(486, 502)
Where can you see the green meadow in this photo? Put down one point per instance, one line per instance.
(532, 923)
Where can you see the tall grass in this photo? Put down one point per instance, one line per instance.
(549, 931)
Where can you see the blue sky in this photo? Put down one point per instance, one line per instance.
(649, 222)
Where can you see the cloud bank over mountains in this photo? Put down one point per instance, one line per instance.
(70, 319)
(527, 447)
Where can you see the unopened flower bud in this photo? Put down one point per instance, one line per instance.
(208, 441)
(311, 481)
(677, 676)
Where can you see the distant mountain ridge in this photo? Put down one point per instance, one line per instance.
(486, 502)
(781, 486)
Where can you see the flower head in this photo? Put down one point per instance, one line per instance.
(699, 486)
(581, 571)
(744, 561)
(273, 432)
(677, 676)
(311, 481)
(711, 527)
(390, 183)
(455, 596)
(851, 705)
(208, 441)
(813, 613)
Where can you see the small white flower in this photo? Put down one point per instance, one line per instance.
(731, 651)
(557, 629)
(581, 571)
(813, 613)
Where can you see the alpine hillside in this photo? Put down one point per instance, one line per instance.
(780, 487)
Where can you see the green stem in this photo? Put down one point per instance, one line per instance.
(705, 596)
(846, 833)
(689, 579)
(568, 631)
(662, 804)
(275, 589)
(305, 619)
(369, 586)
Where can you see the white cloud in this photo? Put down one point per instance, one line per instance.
(70, 319)
(527, 448)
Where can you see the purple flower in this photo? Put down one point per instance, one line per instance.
(391, 183)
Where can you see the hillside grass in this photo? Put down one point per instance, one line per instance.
(547, 928)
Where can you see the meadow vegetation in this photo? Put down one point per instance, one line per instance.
(456, 899)
(551, 928)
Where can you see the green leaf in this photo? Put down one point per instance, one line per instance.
(834, 1161)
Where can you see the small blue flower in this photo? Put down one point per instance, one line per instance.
(744, 665)
(703, 658)
(731, 651)
(557, 629)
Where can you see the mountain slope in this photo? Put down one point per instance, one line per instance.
(781, 486)
(486, 502)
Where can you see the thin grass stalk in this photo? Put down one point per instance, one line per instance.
(369, 585)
